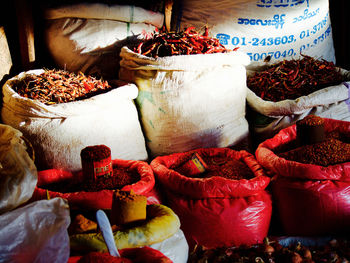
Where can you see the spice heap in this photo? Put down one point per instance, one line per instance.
(186, 42)
(59, 86)
(221, 166)
(274, 252)
(328, 152)
(120, 178)
(291, 79)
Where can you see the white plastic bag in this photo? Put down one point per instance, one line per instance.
(36, 232)
(174, 247)
(190, 101)
(59, 132)
(88, 37)
(281, 29)
(17, 170)
(268, 118)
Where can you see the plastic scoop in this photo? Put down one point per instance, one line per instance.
(106, 229)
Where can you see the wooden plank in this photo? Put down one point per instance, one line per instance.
(26, 33)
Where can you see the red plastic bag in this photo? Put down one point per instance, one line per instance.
(310, 199)
(217, 211)
(100, 199)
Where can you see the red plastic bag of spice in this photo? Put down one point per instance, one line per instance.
(220, 207)
(310, 199)
(127, 175)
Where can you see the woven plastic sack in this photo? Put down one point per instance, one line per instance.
(59, 132)
(266, 118)
(101, 199)
(277, 28)
(17, 170)
(190, 101)
(87, 37)
(36, 232)
(217, 211)
(310, 199)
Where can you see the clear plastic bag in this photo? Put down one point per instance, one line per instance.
(36, 232)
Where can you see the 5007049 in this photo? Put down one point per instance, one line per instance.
(272, 54)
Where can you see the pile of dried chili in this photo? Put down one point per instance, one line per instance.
(291, 79)
(328, 152)
(59, 86)
(185, 42)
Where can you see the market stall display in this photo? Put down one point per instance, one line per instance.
(280, 94)
(228, 201)
(59, 131)
(311, 181)
(188, 101)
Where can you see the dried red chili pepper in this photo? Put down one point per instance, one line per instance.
(290, 79)
(59, 86)
(186, 42)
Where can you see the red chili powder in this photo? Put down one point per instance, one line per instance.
(95, 152)
(120, 178)
(311, 120)
(329, 152)
(224, 167)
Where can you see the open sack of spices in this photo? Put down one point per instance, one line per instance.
(191, 91)
(219, 195)
(282, 93)
(61, 112)
(28, 232)
(93, 186)
(135, 224)
(311, 186)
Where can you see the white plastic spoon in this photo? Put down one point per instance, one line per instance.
(106, 229)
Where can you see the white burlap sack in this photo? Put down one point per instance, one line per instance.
(269, 117)
(36, 233)
(59, 132)
(191, 101)
(17, 170)
(281, 29)
(88, 37)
